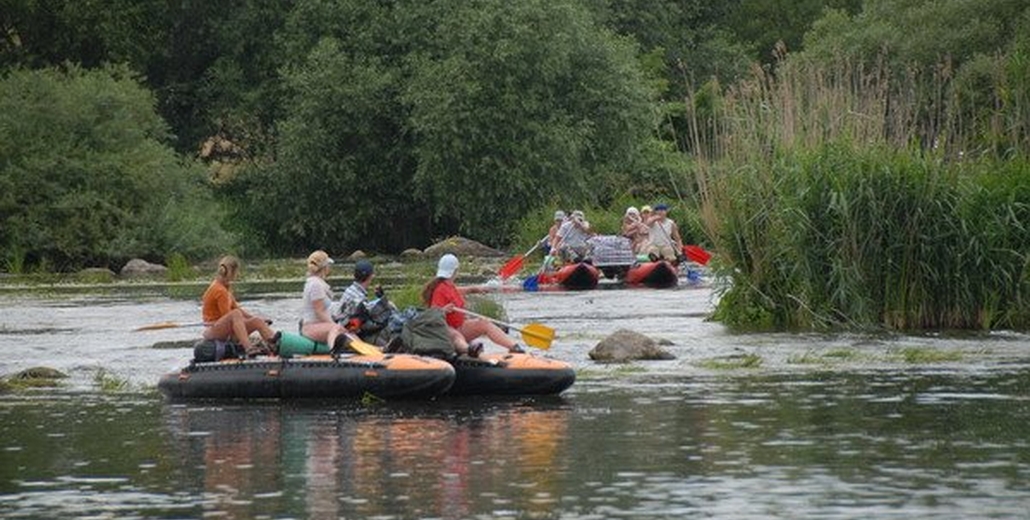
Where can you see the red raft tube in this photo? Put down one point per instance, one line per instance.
(576, 276)
(660, 274)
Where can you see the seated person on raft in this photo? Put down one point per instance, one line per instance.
(666, 243)
(636, 230)
(316, 322)
(552, 233)
(441, 292)
(224, 319)
(355, 311)
(571, 240)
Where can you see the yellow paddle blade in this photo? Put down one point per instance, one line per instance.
(365, 349)
(537, 335)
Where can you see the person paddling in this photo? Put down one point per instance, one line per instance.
(442, 293)
(223, 317)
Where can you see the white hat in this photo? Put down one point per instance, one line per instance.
(447, 265)
(577, 214)
(559, 215)
(632, 210)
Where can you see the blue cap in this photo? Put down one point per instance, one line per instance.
(661, 207)
(362, 270)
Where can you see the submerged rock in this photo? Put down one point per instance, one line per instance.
(461, 246)
(411, 253)
(626, 345)
(96, 275)
(35, 376)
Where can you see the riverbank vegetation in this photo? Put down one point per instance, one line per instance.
(848, 194)
(858, 164)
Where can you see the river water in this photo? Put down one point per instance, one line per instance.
(737, 426)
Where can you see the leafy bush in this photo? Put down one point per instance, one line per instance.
(84, 176)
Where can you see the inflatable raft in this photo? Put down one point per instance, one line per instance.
(510, 374)
(659, 275)
(320, 375)
(577, 276)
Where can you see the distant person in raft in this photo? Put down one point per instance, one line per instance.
(358, 313)
(636, 230)
(316, 323)
(442, 293)
(666, 243)
(571, 240)
(552, 233)
(224, 319)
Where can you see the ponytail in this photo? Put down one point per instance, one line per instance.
(228, 266)
(430, 288)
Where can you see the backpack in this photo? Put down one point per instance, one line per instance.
(426, 334)
(208, 351)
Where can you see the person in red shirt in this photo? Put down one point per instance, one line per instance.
(441, 292)
(225, 319)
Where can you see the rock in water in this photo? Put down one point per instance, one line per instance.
(626, 345)
(139, 267)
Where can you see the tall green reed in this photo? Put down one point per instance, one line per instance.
(847, 196)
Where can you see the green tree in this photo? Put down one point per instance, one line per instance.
(514, 103)
(84, 175)
(917, 32)
(762, 23)
(440, 118)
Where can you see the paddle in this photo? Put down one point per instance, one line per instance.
(356, 344)
(534, 334)
(365, 349)
(515, 264)
(697, 254)
(167, 325)
(174, 325)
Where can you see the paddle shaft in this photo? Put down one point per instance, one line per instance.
(167, 325)
(496, 322)
(515, 264)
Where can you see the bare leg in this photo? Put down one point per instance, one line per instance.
(254, 323)
(324, 332)
(232, 325)
(474, 328)
(461, 346)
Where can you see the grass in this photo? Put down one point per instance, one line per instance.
(744, 361)
(923, 355)
(108, 383)
(830, 357)
(826, 213)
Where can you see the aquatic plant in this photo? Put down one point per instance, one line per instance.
(923, 355)
(108, 382)
(743, 361)
(179, 268)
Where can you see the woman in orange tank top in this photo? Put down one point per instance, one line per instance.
(225, 319)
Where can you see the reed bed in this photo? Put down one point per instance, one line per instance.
(854, 196)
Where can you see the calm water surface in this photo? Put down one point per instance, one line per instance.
(868, 432)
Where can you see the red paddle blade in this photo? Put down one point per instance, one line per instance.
(511, 267)
(696, 254)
